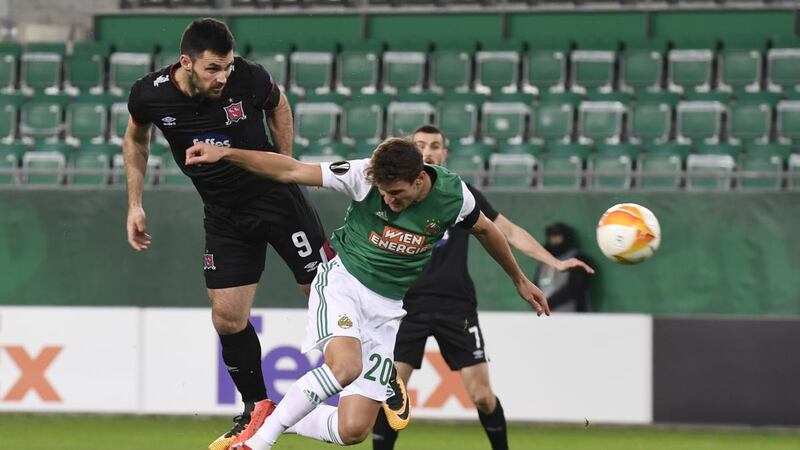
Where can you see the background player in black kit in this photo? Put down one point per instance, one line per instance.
(211, 96)
(442, 303)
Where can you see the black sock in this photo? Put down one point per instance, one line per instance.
(383, 436)
(242, 355)
(495, 425)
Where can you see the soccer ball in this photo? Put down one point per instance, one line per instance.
(628, 233)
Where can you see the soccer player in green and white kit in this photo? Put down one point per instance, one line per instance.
(400, 209)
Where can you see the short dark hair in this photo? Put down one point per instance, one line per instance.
(432, 129)
(395, 159)
(206, 34)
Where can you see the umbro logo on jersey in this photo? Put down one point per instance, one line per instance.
(160, 80)
(169, 121)
(340, 167)
(382, 214)
(234, 112)
(310, 267)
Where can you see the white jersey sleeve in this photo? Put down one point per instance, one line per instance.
(347, 177)
(469, 203)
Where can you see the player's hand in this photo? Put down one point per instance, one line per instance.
(138, 239)
(203, 153)
(572, 263)
(534, 296)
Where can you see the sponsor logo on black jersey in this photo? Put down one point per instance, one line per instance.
(234, 112)
(220, 140)
(340, 167)
(159, 80)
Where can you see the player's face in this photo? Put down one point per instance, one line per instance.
(400, 194)
(432, 147)
(210, 72)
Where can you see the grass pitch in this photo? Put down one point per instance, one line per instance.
(91, 432)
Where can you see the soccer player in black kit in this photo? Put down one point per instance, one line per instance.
(442, 304)
(211, 96)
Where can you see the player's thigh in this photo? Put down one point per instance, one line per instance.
(298, 237)
(460, 340)
(476, 379)
(409, 347)
(232, 303)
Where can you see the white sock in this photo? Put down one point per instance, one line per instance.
(305, 394)
(321, 424)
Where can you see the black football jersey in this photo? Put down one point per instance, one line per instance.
(236, 120)
(445, 285)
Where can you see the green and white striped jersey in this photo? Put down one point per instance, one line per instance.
(384, 250)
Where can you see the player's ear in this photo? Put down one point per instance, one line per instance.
(186, 62)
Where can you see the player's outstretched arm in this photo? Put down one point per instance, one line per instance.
(496, 245)
(136, 150)
(270, 165)
(521, 240)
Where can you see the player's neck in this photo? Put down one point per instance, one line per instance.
(183, 82)
(427, 184)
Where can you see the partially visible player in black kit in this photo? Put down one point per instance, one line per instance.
(442, 304)
(211, 96)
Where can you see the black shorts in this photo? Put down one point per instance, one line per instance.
(236, 239)
(459, 336)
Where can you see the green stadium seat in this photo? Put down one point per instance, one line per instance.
(592, 70)
(154, 165)
(545, 68)
(46, 165)
(504, 122)
(783, 69)
(700, 121)
(475, 149)
(750, 122)
(8, 123)
(316, 122)
(168, 54)
(357, 68)
(794, 172)
(601, 122)
(575, 149)
(86, 121)
(171, 173)
(624, 149)
(273, 58)
(713, 96)
(771, 149)
(362, 149)
(642, 65)
(497, 67)
(560, 172)
(362, 121)
(91, 165)
(40, 68)
(507, 148)
(329, 97)
(311, 71)
(711, 166)
(10, 158)
(451, 67)
(9, 56)
(511, 169)
(417, 97)
(650, 122)
(670, 148)
(725, 148)
(788, 122)
(469, 167)
(84, 70)
(403, 118)
(118, 123)
(615, 96)
(660, 171)
(460, 119)
(553, 122)
(41, 119)
(404, 70)
(318, 152)
(610, 171)
(740, 70)
(690, 70)
(760, 172)
(475, 98)
(125, 68)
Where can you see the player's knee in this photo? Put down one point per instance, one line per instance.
(483, 398)
(227, 322)
(352, 432)
(345, 370)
